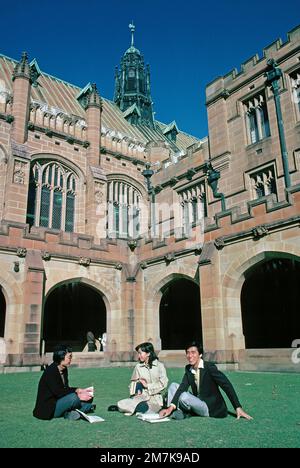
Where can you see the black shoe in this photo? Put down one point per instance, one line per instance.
(142, 407)
(72, 415)
(113, 408)
(178, 415)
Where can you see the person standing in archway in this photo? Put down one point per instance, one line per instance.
(55, 398)
(204, 378)
(91, 342)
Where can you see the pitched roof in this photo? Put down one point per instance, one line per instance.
(62, 95)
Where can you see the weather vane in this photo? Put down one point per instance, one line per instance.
(132, 29)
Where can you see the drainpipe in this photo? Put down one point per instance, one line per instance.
(148, 173)
(273, 77)
(212, 178)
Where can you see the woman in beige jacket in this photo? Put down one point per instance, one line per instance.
(147, 382)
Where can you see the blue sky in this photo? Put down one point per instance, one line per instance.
(187, 43)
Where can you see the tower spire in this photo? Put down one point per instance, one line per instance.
(132, 86)
(132, 29)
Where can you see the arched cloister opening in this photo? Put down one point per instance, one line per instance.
(71, 310)
(270, 300)
(2, 313)
(180, 314)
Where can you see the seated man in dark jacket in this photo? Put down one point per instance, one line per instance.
(206, 399)
(55, 398)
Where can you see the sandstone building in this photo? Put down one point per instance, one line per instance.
(115, 223)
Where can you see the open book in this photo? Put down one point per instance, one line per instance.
(92, 418)
(151, 417)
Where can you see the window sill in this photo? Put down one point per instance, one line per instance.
(260, 142)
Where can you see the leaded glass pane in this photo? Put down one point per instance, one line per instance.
(45, 206)
(57, 208)
(31, 199)
(50, 175)
(55, 176)
(136, 222)
(70, 212)
(116, 219)
(125, 219)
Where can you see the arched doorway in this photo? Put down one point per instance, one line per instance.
(2, 313)
(71, 310)
(270, 300)
(180, 314)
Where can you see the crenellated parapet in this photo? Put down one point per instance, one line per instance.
(255, 65)
(56, 119)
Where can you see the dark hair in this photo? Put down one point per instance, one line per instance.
(60, 352)
(90, 336)
(147, 347)
(197, 345)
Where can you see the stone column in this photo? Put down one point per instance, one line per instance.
(96, 203)
(17, 183)
(33, 307)
(213, 326)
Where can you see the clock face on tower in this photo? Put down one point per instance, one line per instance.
(131, 73)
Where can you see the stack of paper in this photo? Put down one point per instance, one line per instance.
(151, 417)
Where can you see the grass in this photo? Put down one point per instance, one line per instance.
(272, 399)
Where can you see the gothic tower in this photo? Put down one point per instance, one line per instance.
(132, 87)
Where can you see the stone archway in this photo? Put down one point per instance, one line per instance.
(2, 313)
(71, 309)
(233, 281)
(179, 313)
(270, 300)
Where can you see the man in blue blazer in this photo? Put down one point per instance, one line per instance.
(204, 379)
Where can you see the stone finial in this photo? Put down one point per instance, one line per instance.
(94, 99)
(22, 68)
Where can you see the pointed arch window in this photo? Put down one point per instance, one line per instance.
(194, 204)
(295, 81)
(257, 119)
(52, 196)
(124, 206)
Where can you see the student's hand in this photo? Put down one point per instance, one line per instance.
(83, 394)
(240, 413)
(144, 383)
(166, 412)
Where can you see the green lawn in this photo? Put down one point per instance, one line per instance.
(272, 399)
